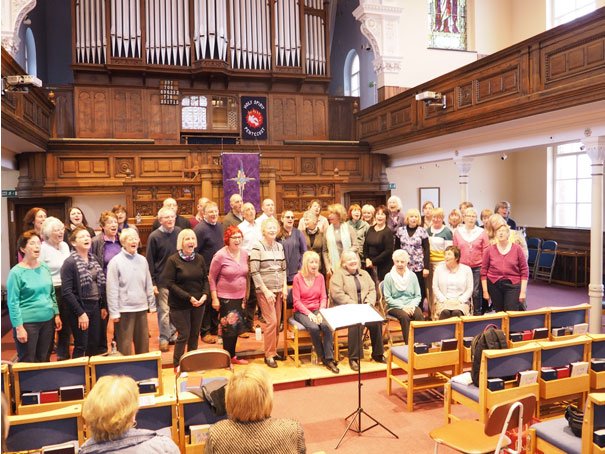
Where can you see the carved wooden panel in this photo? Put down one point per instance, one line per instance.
(124, 167)
(81, 167)
(162, 167)
(465, 95)
(92, 112)
(129, 113)
(308, 166)
(164, 121)
(320, 115)
(401, 116)
(64, 114)
(498, 84)
(283, 118)
(297, 196)
(369, 126)
(283, 166)
(307, 119)
(575, 59)
(33, 112)
(349, 164)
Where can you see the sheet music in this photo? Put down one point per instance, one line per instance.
(349, 315)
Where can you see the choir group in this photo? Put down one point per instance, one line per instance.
(217, 281)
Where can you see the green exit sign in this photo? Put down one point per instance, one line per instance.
(9, 193)
(392, 186)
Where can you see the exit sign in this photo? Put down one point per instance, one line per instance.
(9, 193)
(392, 186)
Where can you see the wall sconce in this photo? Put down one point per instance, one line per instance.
(432, 98)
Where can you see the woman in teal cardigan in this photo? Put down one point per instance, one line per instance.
(32, 304)
(402, 292)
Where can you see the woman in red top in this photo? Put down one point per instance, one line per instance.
(504, 273)
(309, 296)
(228, 278)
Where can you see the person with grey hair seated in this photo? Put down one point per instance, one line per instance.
(352, 285)
(402, 292)
(53, 253)
(130, 295)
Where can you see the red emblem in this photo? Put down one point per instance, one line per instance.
(254, 118)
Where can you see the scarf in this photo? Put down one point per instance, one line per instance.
(469, 236)
(187, 258)
(401, 282)
(84, 272)
(358, 224)
(345, 238)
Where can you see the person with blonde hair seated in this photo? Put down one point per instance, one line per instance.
(109, 412)
(250, 428)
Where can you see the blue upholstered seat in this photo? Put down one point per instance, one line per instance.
(557, 433)
(471, 391)
(401, 352)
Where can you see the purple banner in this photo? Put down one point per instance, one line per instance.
(254, 117)
(241, 175)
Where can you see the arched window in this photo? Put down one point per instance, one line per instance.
(31, 66)
(351, 74)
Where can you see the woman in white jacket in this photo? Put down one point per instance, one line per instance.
(452, 286)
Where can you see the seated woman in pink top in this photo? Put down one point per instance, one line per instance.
(309, 296)
(228, 278)
(504, 273)
(472, 240)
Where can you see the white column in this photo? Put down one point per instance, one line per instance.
(380, 24)
(595, 149)
(13, 14)
(464, 167)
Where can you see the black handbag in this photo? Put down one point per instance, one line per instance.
(574, 417)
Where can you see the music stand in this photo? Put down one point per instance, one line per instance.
(345, 316)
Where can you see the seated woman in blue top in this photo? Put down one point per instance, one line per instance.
(402, 292)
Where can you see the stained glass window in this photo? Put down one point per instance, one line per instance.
(447, 21)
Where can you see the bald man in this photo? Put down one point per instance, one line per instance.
(268, 207)
(235, 216)
(180, 222)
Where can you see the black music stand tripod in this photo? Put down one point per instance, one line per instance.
(356, 415)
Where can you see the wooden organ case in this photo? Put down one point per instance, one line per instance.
(157, 96)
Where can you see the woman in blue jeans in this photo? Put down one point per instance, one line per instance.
(309, 296)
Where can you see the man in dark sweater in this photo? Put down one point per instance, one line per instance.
(180, 221)
(235, 216)
(210, 239)
(161, 244)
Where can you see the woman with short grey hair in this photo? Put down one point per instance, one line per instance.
(130, 295)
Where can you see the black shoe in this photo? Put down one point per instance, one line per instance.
(271, 363)
(354, 364)
(379, 359)
(331, 365)
(279, 358)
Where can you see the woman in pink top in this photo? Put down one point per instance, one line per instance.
(504, 273)
(472, 242)
(309, 296)
(228, 278)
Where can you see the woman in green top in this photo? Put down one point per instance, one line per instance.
(32, 304)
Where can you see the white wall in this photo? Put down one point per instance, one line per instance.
(416, 68)
(521, 179)
(92, 206)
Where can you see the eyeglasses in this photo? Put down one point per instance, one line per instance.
(238, 237)
(288, 217)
